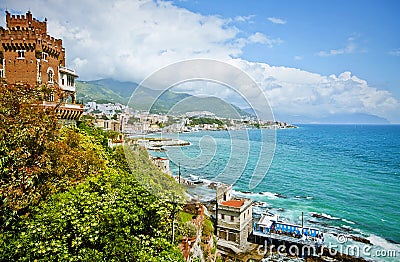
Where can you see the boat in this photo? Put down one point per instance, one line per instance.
(195, 179)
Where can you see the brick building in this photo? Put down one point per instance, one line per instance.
(28, 55)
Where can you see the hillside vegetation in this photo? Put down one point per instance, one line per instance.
(66, 196)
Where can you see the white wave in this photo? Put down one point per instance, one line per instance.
(240, 193)
(206, 181)
(329, 216)
(303, 197)
(359, 231)
(270, 195)
(259, 211)
(346, 227)
(348, 221)
(260, 204)
(381, 242)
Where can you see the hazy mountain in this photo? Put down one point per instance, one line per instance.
(355, 118)
(212, 104)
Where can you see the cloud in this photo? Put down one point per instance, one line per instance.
(292, 91)
(243, 19)
(298, 57)
(275, 20)
(128, 40)
(296, 92)
(395, 52)
(350, 48)
(263, 39)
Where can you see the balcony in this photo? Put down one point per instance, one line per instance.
(229, 224)
(67, 79)
(67, 71)
(67, 88)
(66, 111)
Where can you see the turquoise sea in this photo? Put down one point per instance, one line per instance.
(350, 174)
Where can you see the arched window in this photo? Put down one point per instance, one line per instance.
(50, 74)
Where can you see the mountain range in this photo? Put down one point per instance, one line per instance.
(113, 91)
(110, 90)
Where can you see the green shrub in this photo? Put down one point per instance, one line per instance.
(208, 227)
(106, 215)
(189, 229)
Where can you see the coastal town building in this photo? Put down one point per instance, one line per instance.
(162, 163)
(116, 141)
(107, 109)
(108, 124)
(234, 217)
(28, 55)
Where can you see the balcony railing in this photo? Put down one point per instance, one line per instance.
(229, 224)
(68, 111)
(67, 88)
(67, 71)
(69, 85)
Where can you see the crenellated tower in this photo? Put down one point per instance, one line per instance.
(28, 55)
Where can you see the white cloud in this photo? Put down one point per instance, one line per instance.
(350, 48)
(275, 20)
(395, 52)
(243, 19)
(258, 38)
(297, 92)
(298, 57)
(128, 40)
(263, 39)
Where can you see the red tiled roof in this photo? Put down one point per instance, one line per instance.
(233, 203)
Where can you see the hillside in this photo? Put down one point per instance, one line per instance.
(105, 90)
(212, 104)
(66, 195)
(109, 90)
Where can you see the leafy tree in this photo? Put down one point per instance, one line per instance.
(27, 131)
(37, 158)
(66, 196)
(205, 120)
(107, 216)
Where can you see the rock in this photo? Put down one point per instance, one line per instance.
(317, 215)
(360, 239)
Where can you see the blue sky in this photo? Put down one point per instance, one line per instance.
(311, 26)
(311, 59)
